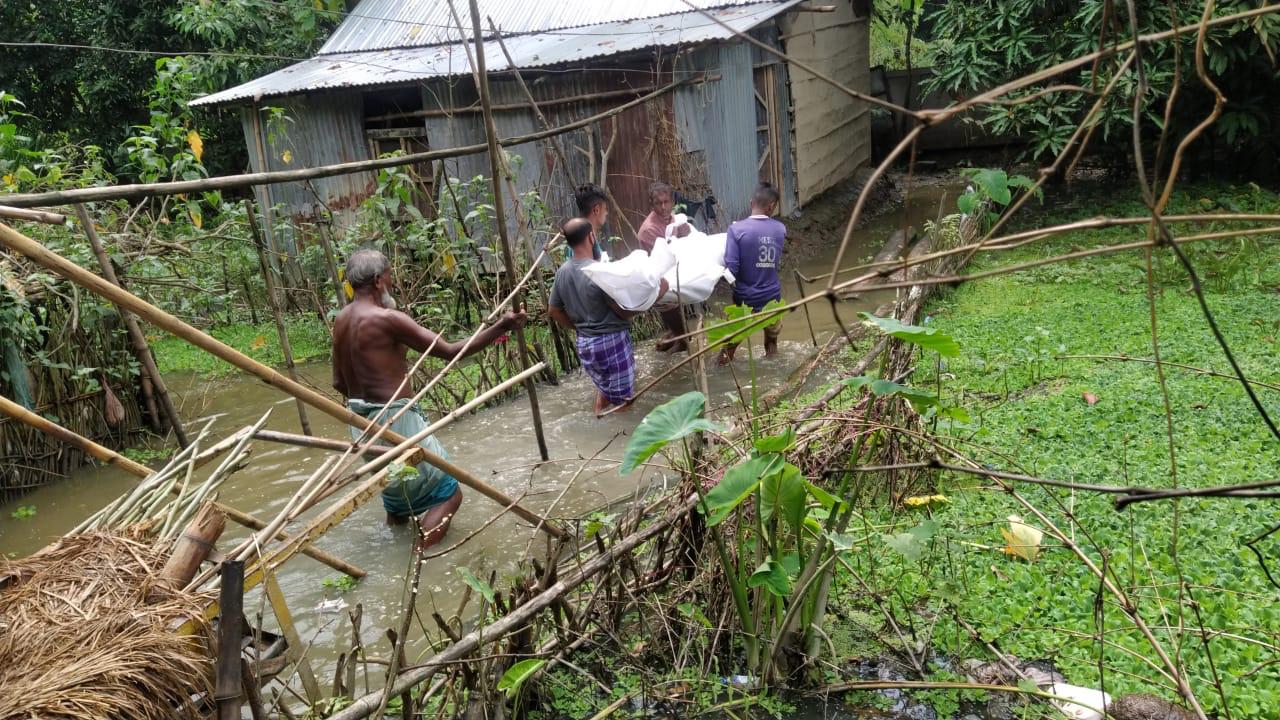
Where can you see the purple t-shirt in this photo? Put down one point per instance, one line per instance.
(752, 251)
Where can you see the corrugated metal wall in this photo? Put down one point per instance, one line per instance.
(832, 130)
(717, 125)
(322, 129)
(633, 163)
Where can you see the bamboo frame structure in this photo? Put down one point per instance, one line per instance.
(50, 260)
(111, 457)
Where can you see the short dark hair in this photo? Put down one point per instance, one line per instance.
(576, 231)
(588, 197)
(660, 187)
(364, 265)
(765, 195)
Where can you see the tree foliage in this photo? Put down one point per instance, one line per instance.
(102, 83)
(989, 42)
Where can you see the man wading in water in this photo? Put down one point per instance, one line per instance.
(370, 340)
(603, 328)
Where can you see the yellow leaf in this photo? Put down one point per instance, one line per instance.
(197, 219)
(450, 262)
(196, 143)
(922, 500)
(258, 343)
(9, 180)
(1021, 539)
(287, 156)
(351, 293)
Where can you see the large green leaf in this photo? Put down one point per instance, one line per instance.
(515, 675)
(927, 338)
(783, 491)
(737, 485)
(912, 544)
(739, 323)
(995, 183)
(777, 443)
(666, 423)
(773, 576)
(476, 583)
(919, 399)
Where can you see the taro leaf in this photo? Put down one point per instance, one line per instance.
(740, 323)
(912, 543)
(824, 498)
(995, 183)
(919, 399)
(783, 491)
(515, 676)
(968, 202)
(773, 576)
(666, 423)
(841, 542)
(476, 583)
(693, 612)
(927, 338)
(777, 443)
(737, 485)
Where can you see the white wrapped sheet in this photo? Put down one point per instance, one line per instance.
(692, 264)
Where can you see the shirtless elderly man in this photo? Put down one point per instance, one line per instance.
(370, 341)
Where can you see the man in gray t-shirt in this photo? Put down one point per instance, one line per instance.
(603, 328)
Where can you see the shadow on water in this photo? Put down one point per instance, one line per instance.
(496, 443)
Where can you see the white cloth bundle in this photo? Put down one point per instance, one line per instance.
(634, 280)
(693, 263)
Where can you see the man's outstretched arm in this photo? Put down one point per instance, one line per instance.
(410, 333)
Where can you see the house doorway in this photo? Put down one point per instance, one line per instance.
(768, 138)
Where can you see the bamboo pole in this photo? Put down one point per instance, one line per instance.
(139, 341)
(227, 687)
(326, 243)
(193, 546)
(235, 182)
(13, 213)
(273, 302)
(500, 218)
(111, 457)
(518, 618)
(50, 260)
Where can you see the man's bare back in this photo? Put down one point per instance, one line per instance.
(370, 344)
(371, 340)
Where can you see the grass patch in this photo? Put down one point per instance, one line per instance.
(1030, 414)
(308, 337)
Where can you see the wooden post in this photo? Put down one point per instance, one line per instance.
(230, 630)
(111, 457)
(194, 545)
(141, 349)
(54, 262)
(800, 288)
(273, 302)
(40, 216)
(331, 260)
(295, 649)
(500, 215)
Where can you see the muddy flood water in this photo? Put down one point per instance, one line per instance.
(496, 444)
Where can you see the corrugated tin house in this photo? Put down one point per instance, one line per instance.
(395, 75)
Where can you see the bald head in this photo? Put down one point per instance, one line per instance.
(576, 231)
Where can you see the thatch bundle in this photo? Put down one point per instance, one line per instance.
(86, 630)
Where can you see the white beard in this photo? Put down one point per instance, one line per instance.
(388, 302)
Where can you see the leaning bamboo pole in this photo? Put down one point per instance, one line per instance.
(273, 303)
(367, 705)
(141, 349)
(54, 262)
(496, 164)
(13, 213)
(111, 457)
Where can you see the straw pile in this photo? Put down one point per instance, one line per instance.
(87, 631)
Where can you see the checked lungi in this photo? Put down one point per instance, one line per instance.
(418, 493)
(610, 362)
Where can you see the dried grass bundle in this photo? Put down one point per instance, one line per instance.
(87, 631)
